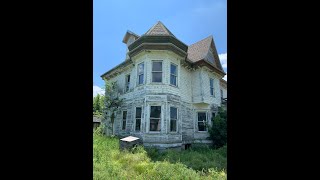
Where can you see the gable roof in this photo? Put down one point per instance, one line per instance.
(199, 50)
(159, 29)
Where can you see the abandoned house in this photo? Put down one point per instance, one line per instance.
(170, 90)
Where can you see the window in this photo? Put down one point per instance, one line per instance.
(140, 73)
(211, 87)
(138, 118)
(221, 92)
(173, 74)
(157, 71)
(127, 83)
(202, 120)
(124, 120)
(173, 119)
(155, 118)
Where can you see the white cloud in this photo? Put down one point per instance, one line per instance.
(225, 77)
(97, 90)
(223, 59)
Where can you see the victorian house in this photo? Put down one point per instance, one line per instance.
(171, 90)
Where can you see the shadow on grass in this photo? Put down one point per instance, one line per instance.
(200, 158)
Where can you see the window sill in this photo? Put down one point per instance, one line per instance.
(202, 131)
(157, 83)
(174, 133)
(154, 132)
(174, 86)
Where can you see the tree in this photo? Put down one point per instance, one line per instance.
(96, 104)
(112, 102)
(218, 130)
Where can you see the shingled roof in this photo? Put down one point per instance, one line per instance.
(159, 29)
(159, 37)
(199, 50)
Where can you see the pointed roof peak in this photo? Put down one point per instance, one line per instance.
(159, 29)
(199, 50)
(207, 40)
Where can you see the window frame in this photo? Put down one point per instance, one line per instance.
(211, 88)
(175, 75)
(139, 74)
(159, 119)
(204, 121)
(152, 71)
(123, 128)
(174, 120)
(127, 84)
(135, 122)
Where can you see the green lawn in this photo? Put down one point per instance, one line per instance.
(111, 163)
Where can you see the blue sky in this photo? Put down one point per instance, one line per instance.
(190, 21)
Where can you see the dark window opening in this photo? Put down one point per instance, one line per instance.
(138, 118)
(124, 120)
(155, 118)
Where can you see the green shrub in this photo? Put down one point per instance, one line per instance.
(218, 130)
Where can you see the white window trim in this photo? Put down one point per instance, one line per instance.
(148, 117)
(171, 63)
(197, 118)
(214, 89)
(162, 73)
(144, 73)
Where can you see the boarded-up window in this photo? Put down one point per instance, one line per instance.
(155, 118)
(138, 118)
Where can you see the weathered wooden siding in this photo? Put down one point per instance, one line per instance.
(191, 95)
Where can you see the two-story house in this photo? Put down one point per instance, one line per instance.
(171, 90)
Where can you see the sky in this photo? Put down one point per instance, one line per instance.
(190, 21)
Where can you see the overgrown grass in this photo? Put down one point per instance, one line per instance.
(201, 159)
(111, 163)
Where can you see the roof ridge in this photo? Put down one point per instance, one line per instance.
(202, 40)
(157, 31)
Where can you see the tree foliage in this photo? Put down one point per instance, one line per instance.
(218, 130)
(112, 102)
(96, 104)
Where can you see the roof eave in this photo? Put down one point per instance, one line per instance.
(126, 62)
(222, 73)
